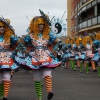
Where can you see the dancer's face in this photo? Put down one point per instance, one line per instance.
(2, 30)
(80, 41)
(41, 27)
(73, 41)
(88, 40)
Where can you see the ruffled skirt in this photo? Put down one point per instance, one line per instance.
(27, 63)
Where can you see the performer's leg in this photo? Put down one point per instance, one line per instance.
(1, 87)
(93, 66)
(87, 67)
(67, 63)
(48, 80)
(38, 85)
(6, 82)
(73, 64)
(99, 71)
(78, 63)
(80, 66)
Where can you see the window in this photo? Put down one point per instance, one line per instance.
(98, 9)
(98, 19)
(94, 2)
(89, 22)
(80, 3)
(98, 0)
(84, 24)
(94, 21)
(80, 25)
(95, 10)
(83, 1)
(84, 8)
(89, 6)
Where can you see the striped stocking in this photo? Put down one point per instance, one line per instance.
(6, 88)
(1, 90)
(38, 88)
(48, 81)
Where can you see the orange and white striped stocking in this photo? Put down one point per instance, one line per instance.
(48, 81)
(6, 88)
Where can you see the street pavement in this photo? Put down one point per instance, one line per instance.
(67, 85)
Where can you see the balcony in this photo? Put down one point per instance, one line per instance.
(90, 22)
(89, 15)
(83, 3)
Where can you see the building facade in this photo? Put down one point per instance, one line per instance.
(83, 17)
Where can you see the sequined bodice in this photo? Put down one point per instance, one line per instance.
(40, 54)
(4, 53)
(39, 42)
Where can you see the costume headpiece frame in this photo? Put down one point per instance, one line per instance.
(6, 22)
(45, 17)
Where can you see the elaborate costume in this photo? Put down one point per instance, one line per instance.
(96, 52)
(40, 58)
(7, 43)
(80, 55)
(68, 54)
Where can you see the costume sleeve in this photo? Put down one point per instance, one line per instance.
(52, 37)
(97, 43)
(27, 39)
(14, 39)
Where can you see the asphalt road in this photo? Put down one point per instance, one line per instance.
(67, 85)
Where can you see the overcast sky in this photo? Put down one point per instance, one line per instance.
(17, 10)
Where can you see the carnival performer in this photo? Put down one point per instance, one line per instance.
(72, 55)
(67, 53)
(8, 41)
(75, 44)
(75, 50)
(88, 47)
(96, 51)
(64, 56)
(96, 58)
(95, 43)
(40, 59)
(80, 55)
